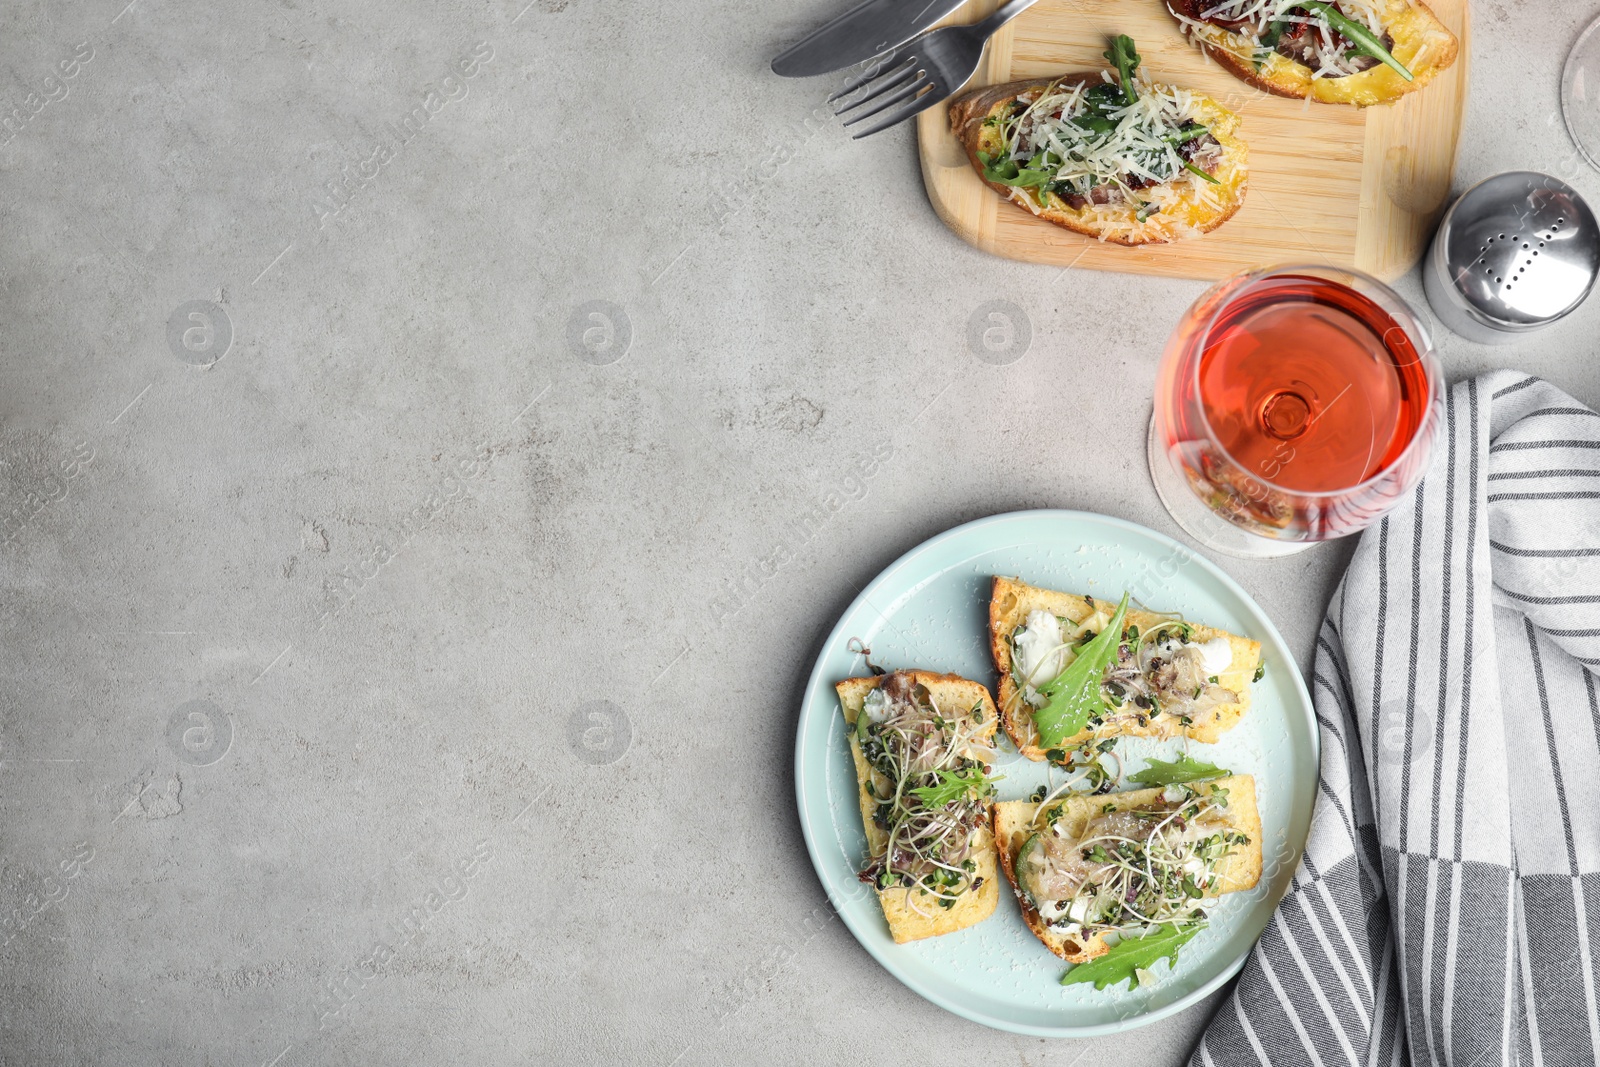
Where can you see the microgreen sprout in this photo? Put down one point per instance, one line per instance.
(1133, 868)
(931, 774)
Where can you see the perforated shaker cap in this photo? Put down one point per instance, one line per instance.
(1521, 249)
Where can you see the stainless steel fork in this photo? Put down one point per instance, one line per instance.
(926, 70)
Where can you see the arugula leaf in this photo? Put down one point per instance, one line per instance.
(997, 166)
(1203, 174)
(1099, 101)
(1269, 43)
(1186, 133)
(1131, 955)
(1061, 189)
(1176, 772)
(1363, 38)
(1074, 695)
(1125, 58)
(954, 785)
(1004, 171)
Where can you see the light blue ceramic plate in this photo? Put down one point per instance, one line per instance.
(929, 610)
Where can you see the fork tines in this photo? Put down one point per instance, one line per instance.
(873, 68)
(899, 78)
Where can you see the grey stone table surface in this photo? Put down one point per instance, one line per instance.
(383, 384)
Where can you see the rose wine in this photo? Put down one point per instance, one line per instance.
(1290, 402)
(1312, 385)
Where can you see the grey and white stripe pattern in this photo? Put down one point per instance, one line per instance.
(1447, 910)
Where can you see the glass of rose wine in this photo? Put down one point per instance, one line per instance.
(1294, 405)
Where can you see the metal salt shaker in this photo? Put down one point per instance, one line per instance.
(1515, 253)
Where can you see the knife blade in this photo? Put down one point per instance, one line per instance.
(870, 28)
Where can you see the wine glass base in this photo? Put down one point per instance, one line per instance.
(1199, 521)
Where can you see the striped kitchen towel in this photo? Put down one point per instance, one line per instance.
(1447, 910)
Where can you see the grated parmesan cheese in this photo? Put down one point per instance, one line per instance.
(1256, 16)
(1137, 146)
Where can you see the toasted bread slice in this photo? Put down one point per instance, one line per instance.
(1013, 824)
(1198, 206)
(906, 922)
(1009, 605)
(1422, 44)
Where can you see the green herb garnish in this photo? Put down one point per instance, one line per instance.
(1125, 58)
(1075, 694)
(1176, 772)
(1099, 104)
(931, 791)
(1269, 43)
(1131, 955)
(1186, 133)
(956, 785)
(1196, 170)
(1003, 170)
(1358, 34)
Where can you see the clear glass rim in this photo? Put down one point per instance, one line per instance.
(1414, 329)
(1566, 85)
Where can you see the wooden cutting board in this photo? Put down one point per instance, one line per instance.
(1328, 183)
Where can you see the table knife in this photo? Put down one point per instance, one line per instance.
(864, 31)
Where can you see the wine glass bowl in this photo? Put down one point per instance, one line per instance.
(1580, 93)
(1294, 404)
